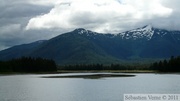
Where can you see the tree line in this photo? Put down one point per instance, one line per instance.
(171, 65)
(31, 65)
(28, 65)
(103, 67)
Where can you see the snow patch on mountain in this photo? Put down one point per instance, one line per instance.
(83, 31)
(144, 32)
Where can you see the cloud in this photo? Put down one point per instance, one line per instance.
(7, 36)
(24, 21)
(99, 15)
(14, 16)
(43, 2)
(10, 28)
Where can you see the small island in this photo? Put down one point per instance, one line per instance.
(91, 76)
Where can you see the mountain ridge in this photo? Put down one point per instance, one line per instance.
(82, 46)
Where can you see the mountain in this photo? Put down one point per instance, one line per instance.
(149, 42)
(145, 32)
(83, 46)
(19, 50)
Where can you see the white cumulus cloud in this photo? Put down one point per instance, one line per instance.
(99, 15)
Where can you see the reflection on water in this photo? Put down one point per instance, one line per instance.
(35, 88)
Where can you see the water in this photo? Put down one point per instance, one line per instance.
(35, 88)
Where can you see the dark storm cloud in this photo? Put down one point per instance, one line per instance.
(14, 17)
(20, 13)
(25, 10)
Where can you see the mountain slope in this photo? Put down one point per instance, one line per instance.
(19, 50)
(82, 46)
(72, 48)
(149, 42)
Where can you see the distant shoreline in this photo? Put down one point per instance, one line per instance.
(106, 71)
(90, 71)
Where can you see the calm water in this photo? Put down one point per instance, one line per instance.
(34, 88)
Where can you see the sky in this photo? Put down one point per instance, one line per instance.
(25, 21)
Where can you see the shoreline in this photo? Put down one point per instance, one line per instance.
(106, 71)
(90, 71)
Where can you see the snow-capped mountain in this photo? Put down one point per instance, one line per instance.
(87, 47)
(148, 32)
(139, 33)
(83, 31)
